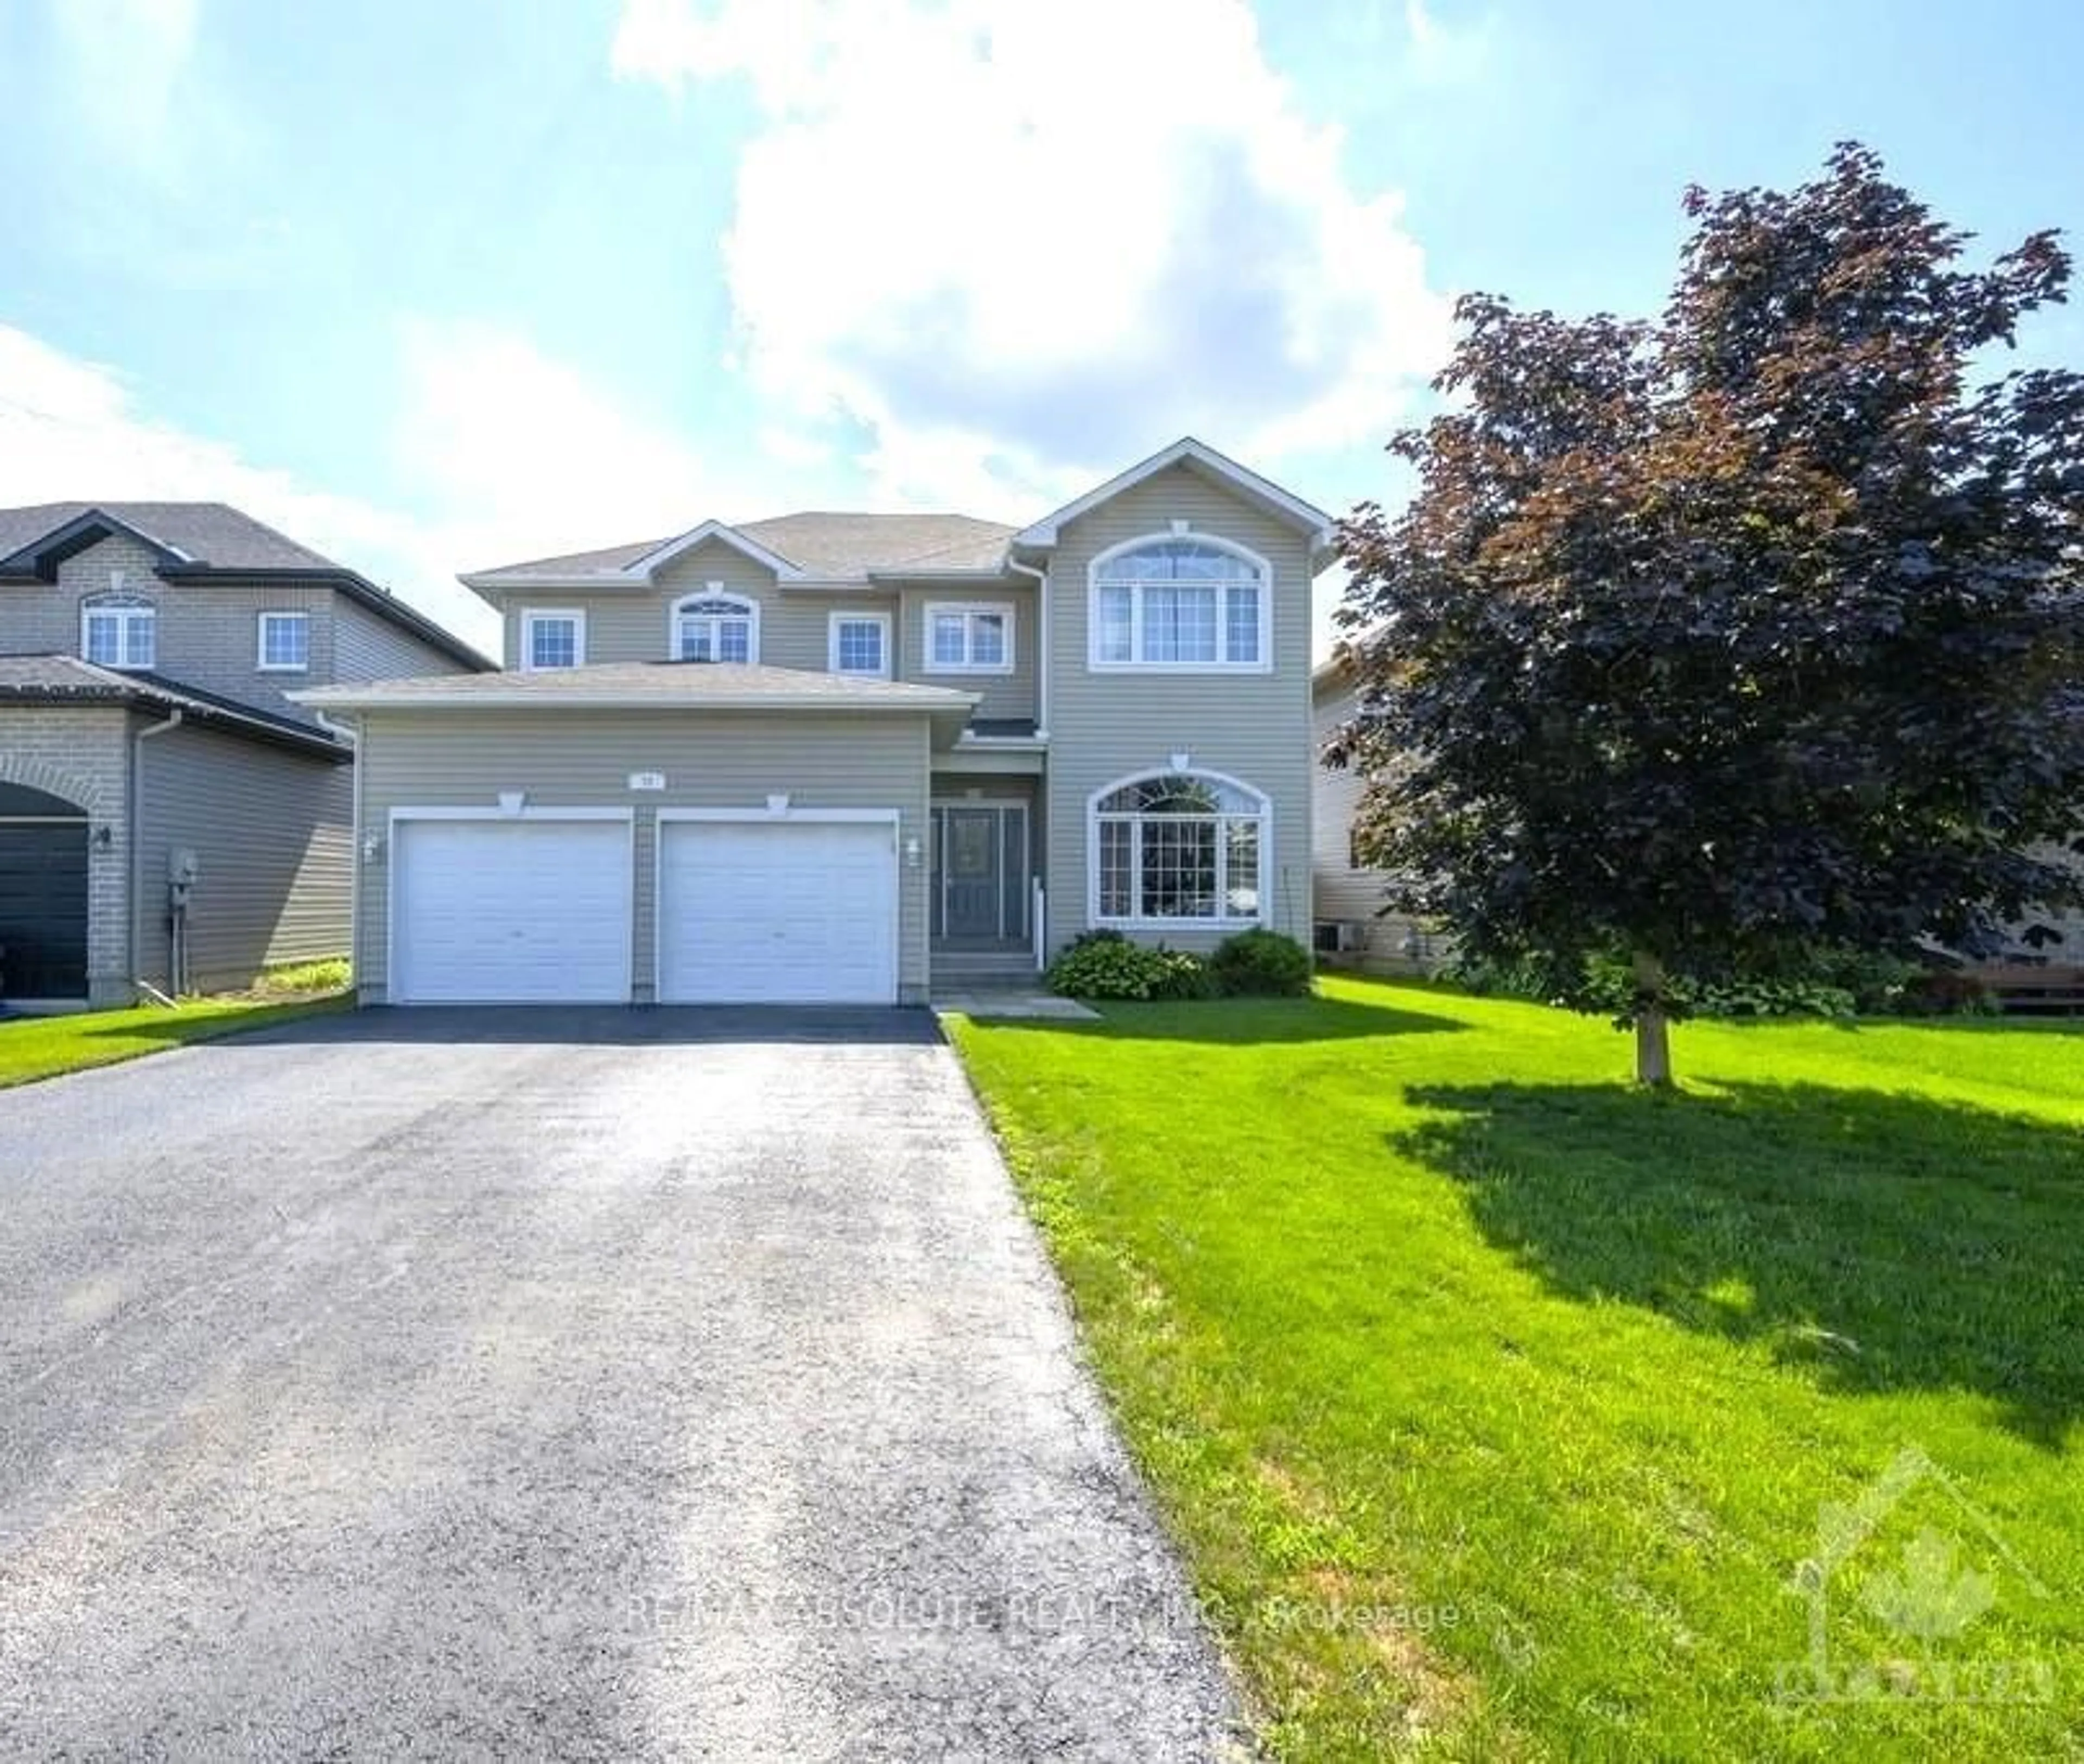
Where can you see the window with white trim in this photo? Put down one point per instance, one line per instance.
(1178, 602)
(1179, 848)
(715, 627)
(119, 633)
(860, 644)
(286, 643)
(966, 639)
(552, 639)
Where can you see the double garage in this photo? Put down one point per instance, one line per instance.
(540, 906)
(643, 833)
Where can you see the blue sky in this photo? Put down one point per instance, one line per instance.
(434, 287)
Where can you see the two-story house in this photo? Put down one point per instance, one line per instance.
(836, 758)
(168, 814)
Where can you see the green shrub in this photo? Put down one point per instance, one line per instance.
(1946, 992)
(1262, 962)
(1771, 999)
(1834, 983)
(1106, 964)
(1186, 976)
(1489, 977)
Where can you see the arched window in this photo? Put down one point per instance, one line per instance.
(1194, 602)
(716, 628)
(1179, 848)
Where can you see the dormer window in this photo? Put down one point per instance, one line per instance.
(1197, 604)
(715, 627)
(119, 631)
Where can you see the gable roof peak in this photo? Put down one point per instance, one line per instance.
(1189, 451)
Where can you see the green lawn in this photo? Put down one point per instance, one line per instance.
(42, 1047)
(1495, 1403)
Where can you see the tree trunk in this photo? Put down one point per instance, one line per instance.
(1652, 1029)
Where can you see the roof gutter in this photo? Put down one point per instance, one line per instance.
(352, 583)
(525, 701)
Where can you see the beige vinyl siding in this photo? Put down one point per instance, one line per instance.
(368, 646)
(1003, 695)
(2067, 923)
(1346, 895)
(636, 623)
(801, 627)
(272, 835)
(710, 759)
(1254, 727)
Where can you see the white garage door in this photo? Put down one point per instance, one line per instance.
(783, 912)
(510, 912)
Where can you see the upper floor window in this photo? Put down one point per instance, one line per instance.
(860, 644)
(965, 639)
(286, 643)
(715, 627)
(1178, 847)
(552, 639)
(119, 633)
(1194, 603)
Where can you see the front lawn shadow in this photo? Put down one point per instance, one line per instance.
(1887, 1242)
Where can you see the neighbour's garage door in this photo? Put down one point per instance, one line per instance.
(780, 911)
(534, 911)
(43, 896)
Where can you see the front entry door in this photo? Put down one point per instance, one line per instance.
(971, 897)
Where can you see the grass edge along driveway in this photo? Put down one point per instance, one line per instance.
(38, 1047)
(1498, 1407)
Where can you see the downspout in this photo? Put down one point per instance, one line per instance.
(1038, 894)
(135, 812)
(1041, 641)
(352, 734)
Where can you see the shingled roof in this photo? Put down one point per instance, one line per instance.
(668, 684)
(202, 540)
(211, 533)
(828, 545)
(66, 680)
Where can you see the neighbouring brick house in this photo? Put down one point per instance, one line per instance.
(167, 815)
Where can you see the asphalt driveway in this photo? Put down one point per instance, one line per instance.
(578, 1382)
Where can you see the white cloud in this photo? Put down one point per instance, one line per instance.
(526, 455)
(127, 59)
(510, 453)
(71, 430)
(1020, 245)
